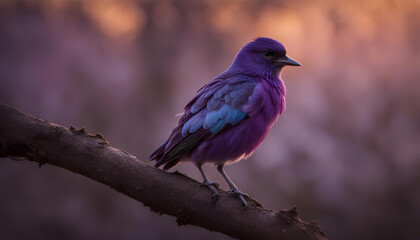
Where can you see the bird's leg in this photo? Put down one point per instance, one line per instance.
(211, 185)
(233, 189)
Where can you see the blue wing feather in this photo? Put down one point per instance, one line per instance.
(223, 111)
(220, 103)
(235, 116)
(196, 125)
(218, 126)
(211, 119)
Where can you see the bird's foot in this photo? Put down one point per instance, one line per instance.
(212, 186)
(236, 193)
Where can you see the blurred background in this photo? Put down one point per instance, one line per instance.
(346, 152)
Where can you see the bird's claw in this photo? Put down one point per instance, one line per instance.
(212, 186)
(236, 193)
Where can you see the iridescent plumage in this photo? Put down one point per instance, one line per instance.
(230, 116)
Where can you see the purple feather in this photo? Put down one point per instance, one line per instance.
(230, 116)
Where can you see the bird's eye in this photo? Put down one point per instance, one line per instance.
(268, 54)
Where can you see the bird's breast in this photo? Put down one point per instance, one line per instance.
(268, 100)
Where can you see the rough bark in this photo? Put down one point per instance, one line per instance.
(25, 136)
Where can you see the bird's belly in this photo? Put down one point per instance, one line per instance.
(234, 144)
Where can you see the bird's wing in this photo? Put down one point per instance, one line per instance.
(219, 105)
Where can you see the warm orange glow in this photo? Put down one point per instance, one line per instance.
(280, 24)
(117, 19)
(225, 16)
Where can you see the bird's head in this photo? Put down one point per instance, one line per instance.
(262, 56)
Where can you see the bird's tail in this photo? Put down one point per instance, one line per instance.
(177, 148)
(158, 154)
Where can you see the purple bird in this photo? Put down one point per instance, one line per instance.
(230, 116)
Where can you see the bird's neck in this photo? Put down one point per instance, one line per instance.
(272, 83)
(270, 74)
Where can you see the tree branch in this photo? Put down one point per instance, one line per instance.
(38, 140)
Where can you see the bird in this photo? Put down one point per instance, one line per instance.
(230, 116)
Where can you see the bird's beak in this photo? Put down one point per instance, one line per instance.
(288, 61)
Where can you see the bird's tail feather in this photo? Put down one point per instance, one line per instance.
(177, 148)
(161, 158)
(158, 153)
